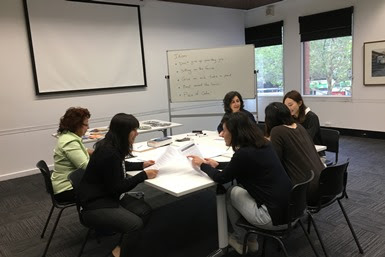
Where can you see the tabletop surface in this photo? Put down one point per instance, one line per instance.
(180, 178)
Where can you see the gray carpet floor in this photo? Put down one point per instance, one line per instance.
(187, 226)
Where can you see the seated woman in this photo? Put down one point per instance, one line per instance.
(102, 189)
(303, 115)
(233, 102)
(294, 147)
(70, 153)
(262, 197)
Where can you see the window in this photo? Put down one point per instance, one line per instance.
(327, 53)
(267, 40)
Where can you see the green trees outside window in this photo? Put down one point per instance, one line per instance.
(327, 65)
(269, 64)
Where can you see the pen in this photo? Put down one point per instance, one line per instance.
(197, 134)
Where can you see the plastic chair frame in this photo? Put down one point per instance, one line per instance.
(75, 178)
(332, 183)
(45, 171)
(296, 210)
(331, 138)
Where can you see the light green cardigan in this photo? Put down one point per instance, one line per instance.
(70, 154)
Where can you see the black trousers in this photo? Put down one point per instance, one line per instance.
(65, 197)
(129, 219)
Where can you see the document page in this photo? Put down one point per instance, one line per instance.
(190, 149)
(174, 160)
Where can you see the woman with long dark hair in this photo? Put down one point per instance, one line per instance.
(104, 184)
(294, 147)
(303, 115)
(261, 195)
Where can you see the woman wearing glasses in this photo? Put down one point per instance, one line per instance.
(70, 153)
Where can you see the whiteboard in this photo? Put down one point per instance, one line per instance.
(208, 74)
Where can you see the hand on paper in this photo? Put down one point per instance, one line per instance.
(196, 160)
(211, 162)
(148, 163)
(151, 173)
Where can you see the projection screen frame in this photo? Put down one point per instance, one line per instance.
(33, 56)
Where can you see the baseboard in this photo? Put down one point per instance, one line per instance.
(18, 174)
(355, 132)
(360, 133)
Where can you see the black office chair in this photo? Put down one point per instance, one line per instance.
(331, 189)
(296, 210)
(331, 138)
(42, 166)
(75, 178)
(261, 126)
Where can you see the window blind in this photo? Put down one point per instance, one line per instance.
(337, 23)
(264, 35)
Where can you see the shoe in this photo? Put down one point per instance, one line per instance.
(238, 247)
(252, 246)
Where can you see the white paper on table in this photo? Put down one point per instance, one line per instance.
(174, 160)
(190, 149)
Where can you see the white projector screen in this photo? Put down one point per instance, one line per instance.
(78, 46)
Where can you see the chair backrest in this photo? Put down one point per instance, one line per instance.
(331, 138)
(43, 167)
(75, 178)
(261, 126)
(297, 199)
(332, 180)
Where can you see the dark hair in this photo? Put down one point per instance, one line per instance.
(228, 98)
(73, 119)
(243, 131)
(296, 96)
(120, 127)
(277, 114)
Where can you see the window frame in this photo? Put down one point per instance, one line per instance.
(266, 35)
(340, 29)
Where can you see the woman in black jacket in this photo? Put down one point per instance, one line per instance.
(103, 187)
(262, 195)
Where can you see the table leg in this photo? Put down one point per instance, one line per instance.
(222, 223)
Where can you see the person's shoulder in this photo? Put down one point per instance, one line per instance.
(311, 115)
(106, 151)
(277, 129)
(251, 116)
(68, 137)
(301, 128)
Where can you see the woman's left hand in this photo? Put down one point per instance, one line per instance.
(148, 163)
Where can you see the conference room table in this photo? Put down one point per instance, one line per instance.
(180, 178)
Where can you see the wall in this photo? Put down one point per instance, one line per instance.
(27, 120)
(365, 110)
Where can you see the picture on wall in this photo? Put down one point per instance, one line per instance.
(374, 63)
